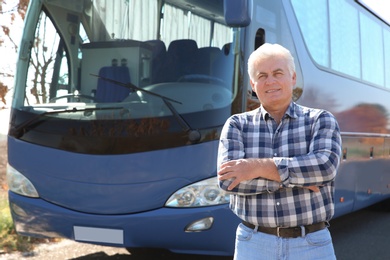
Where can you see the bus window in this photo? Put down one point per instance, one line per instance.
(92, 64)
(260, 38)
(48, 74)
(347, 49)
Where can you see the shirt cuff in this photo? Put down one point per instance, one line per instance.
(282, 166)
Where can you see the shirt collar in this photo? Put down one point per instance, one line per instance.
(290, 112)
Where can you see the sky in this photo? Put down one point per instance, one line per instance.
(379, 7)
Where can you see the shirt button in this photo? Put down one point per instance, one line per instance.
(275, 154)
(277, 203)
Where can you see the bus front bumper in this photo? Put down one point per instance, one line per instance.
(159, 228)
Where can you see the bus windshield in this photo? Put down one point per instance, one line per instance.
(98, 67)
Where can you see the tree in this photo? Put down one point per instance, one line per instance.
(41, 61)
(11, 15)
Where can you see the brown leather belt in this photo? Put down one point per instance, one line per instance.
(288, 232)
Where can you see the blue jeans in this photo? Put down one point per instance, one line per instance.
(251, 245)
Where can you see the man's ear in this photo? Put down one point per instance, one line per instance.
(252, 85)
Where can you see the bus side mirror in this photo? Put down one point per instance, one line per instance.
(237, 13)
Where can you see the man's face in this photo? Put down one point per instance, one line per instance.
(273, 83)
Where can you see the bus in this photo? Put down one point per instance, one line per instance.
(118, 107)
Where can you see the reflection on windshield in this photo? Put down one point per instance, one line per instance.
(26, 125)
(97, 83)
(191, 67)
(129, 85)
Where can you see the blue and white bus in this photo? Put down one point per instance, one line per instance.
(118, 107)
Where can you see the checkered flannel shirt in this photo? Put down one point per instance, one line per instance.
(306, 149)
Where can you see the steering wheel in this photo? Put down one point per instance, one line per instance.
(201, 78)
(78, 97)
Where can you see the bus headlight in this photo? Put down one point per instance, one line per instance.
(199, 194)
(19, 184)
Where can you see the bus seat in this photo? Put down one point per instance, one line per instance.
(159, 53)
(179, 58)
(204, 59)
(226, 48)
(110, 92)
(223, 63)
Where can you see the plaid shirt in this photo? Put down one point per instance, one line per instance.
(306, 149)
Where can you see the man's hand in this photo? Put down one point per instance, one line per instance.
(313, 188)
(248, 169)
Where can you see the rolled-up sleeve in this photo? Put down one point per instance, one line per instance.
(231, 147)
(319, 165)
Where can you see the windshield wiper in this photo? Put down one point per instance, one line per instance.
(193, 134)
(134, 87)
(17, 130)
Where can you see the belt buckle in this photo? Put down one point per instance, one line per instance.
(303, 231)
(278, 231)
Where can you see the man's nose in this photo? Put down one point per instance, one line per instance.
(270, 80)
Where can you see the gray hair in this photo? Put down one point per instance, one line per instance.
(268, 50)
